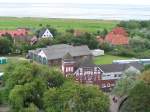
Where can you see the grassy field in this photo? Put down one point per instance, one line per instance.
(60, 24)
(10, 59)
(107, 59)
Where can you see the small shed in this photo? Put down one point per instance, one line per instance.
(97, 52)
(3, 60)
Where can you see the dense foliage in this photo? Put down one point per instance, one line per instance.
(31, 87)
(5, 45)
(139, 34)
(139, 98)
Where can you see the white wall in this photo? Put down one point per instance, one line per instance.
(111, 76)
(47, 34)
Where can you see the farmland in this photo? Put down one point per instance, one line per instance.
(60, 24)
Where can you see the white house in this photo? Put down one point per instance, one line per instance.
(45, 33)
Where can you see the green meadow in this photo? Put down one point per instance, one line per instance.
(60, 24)
(107, 59)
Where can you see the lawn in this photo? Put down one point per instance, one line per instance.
(10, 59)
(60, 24)
(107, 59)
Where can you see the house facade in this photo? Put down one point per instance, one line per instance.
(45, 33)
(105, 76)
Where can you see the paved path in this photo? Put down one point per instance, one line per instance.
(114, 107)
(4, 108)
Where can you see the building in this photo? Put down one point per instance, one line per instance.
(105, 76)
(113, 72)
(20, 32)
(118, 36)
(53, 55)
(45, 33)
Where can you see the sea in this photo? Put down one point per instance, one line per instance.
(76, 11)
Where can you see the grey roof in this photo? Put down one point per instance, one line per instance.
(119, 67)
(42, 31)
(86, 62)
(60, 50)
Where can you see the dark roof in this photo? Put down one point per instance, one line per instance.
(119, 67)
(112, 68)
(86, 62)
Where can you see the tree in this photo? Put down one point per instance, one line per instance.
(33, 87)
(75, 98)
(5, 45)
(138, 99)
(128, 81)
(146, 76)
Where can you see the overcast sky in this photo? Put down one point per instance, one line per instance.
(138, 2)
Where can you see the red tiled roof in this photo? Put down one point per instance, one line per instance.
(117, 39)
(120, 31)
(117, 36)
(14, 33)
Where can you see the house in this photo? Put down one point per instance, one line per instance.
(117, 36)
(45, 33)
(105, 76)
(20, 32)
(53, 55)
(113, 72)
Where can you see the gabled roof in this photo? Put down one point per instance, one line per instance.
(117, 39)
(119, 31)
(119, 67)
(42, 31)
(67, 56)
(60, 50)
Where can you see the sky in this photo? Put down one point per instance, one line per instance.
(135, 2)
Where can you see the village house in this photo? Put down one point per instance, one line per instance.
(118, 36)
(20, 32)
(45, 33)
(53, 55)
(105, 76)
(77, 62)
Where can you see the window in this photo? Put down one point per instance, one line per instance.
(66, 69)
(71, 69)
